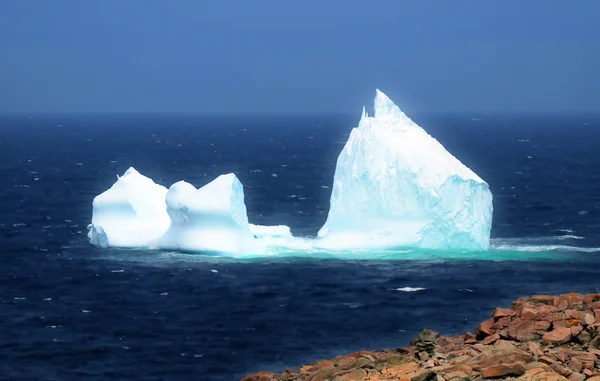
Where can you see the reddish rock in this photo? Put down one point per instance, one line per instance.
(591, 298)
(527, 330)
(502, 323)
(531, 374)
(456, 376)
(557, 336)
(576, 377)
(575, 365)
(491, 339)
(574, 314)
(503, 369)
(588, 360)
(535, 350)
(542, 299)
(503, 312)
(529, 313)
(485, 328)
(568, 300)
(588, 319)
(505, 346)
(353, 375)
(261, 376)
(576, 330)
(399, 370)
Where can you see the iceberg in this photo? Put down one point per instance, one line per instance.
(210, 219)
(396, 186)
(130, 214)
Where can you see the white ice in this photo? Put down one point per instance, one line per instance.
(396, 186)
(210, 219)
(129, 214)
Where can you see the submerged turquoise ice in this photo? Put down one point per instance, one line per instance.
(394, 187)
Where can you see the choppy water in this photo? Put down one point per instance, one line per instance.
(71, 311)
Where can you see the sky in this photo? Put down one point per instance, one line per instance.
(310, 56)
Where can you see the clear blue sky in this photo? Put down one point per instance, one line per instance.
(298, 56)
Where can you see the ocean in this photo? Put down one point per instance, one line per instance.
(71, 311)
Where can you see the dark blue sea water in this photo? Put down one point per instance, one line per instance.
(70, 311)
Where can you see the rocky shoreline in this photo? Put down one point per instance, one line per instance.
(539, 338)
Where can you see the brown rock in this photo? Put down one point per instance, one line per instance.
(588, 373)
(457, 376)
(503, 312)
(535, 350)
(503, 369)
(527, 330)
(420, 375)
(576, 330)
(588, 360)
(594, 351)
(549, 376)
(502, 323)
(547, 360)
(584, 337)
(575, 365)
(485, 328)
(576, 377)
(481, 347)
(502, 352)
(261, 376)
(542, 299)
(529, 313)
(530, 374)
(562, 370)
(597, 314)
(596, 378)
(574, 314)
(568, 300)
(557, 336)
(562, 354)
(399, 370)
(588, 319)
(491, 339)
(590, 298)
(353, 375)
(537, 364)
(424, 356)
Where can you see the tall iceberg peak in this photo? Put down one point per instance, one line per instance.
(396, 186)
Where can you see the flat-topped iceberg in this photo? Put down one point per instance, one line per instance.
(396, 186)
(210, 219)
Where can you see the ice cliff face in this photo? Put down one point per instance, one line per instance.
(396, 186)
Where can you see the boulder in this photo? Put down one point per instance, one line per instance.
(557, 336)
